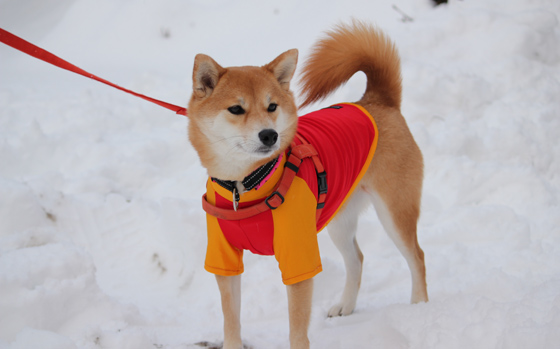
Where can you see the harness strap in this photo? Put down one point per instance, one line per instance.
(306, 150)
(274, 200)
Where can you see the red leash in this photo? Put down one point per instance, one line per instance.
(37, 52)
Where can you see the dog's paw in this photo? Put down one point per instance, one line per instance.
(341, 310)
(211, 345)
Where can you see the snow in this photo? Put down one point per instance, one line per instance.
(102, 237)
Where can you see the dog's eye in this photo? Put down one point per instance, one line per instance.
(272, 107)
(236, 110)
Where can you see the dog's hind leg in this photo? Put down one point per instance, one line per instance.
(342, 231)
(399, 220)
(230, 290)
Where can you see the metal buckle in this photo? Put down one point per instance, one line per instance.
(270, 197)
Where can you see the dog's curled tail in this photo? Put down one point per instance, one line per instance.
(349, 49)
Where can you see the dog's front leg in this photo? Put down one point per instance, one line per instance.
(230, 290)
(299, 304)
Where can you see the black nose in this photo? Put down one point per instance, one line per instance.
(268, 137)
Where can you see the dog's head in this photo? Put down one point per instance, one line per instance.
(241, 117)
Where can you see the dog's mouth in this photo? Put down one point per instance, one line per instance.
(259, 150)
(265, 150)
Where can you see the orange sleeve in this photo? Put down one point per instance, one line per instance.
(221, 257)
(295, 235)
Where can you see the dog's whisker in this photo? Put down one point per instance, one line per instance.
(224, 139)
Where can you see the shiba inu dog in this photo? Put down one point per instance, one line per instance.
(276, 179)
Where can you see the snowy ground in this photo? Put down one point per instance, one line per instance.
(102, 237)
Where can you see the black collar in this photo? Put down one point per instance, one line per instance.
(249, 182)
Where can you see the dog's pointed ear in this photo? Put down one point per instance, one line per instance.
(206, 73)
(283, 67)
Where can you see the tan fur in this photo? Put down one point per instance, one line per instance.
(299, 304)
(347, 50)
(393, 182)
(230, 291)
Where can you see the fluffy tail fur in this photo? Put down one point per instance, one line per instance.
(349, 49)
